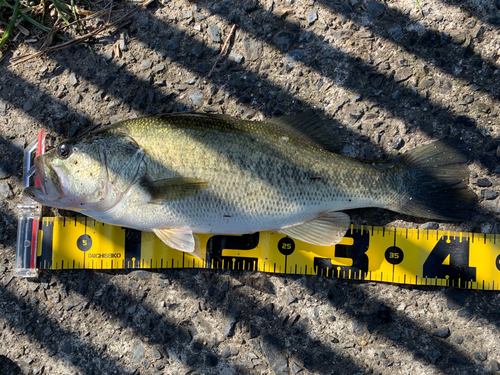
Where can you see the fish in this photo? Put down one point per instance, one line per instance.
(185, 173)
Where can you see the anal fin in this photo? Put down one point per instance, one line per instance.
(181, 239)
(326, 230)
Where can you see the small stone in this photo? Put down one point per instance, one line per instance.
(396, 94)
(354, 111)
(433, 355)
(4, 169)
(483, 182)
(254, 331)
(458, 37)
(5, 190)
(146, 64)
(430, 225)
(495, 365)
(159, 68)
(196, 98)
(489, 194)
(306, 36)
(469, 99)
(398, 143)
(252, 49)
(187, 15)
(290, 297)
(226, 352)
(273, 350)
(131, 310)
(156, 354)
(214, 32)
(479, 33)
(123, 43)
(403, 74)
(72, 79)
(475, 87)
(249, 5)
(47, 331)
(481, 356)
(108, 54)
(140, 274)
(396, 33)
(284, 40)
(426, 83)
(138, 353)
(3, 107)
(375, 9)
(197, 50)
(313, 16)
(458, 339)
(296, 368)
(296, 55)
(443, 332)
(236, 57)
(28, 106)
(71, 304)
(358, 327)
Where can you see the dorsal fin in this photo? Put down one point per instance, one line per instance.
(308, 125)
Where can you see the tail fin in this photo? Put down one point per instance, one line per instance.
(434, 176)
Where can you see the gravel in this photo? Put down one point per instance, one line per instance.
(388, 79)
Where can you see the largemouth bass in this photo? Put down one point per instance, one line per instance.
(181, 174)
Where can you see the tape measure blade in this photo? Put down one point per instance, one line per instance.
(406, 256)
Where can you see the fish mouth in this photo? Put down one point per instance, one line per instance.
(40, 173)
(49, 185)
(39, 191)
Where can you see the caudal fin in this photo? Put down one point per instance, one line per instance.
(434, 176)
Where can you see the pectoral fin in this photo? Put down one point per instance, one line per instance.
(172, 189)
(325, 230)
(181, 239)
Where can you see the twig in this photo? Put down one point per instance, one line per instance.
(81, 39)
(222, 50)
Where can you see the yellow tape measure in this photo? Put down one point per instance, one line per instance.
(405, 256)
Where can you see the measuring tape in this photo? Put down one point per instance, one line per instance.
(394, 255)
(405, 256)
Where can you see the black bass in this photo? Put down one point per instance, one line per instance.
(181, 174)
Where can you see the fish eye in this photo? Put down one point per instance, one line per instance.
(63, 151)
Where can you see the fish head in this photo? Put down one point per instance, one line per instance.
(72, 176)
